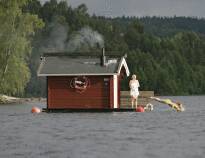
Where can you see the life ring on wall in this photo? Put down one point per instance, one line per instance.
(80, 84)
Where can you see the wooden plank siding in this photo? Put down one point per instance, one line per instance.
(125, 100)
(61, 95)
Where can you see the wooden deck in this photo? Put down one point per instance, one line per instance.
(125, 100)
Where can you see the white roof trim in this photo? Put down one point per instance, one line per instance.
(41, 65)
(101, 74)
(123, 63)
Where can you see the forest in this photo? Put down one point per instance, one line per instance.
(166, 53)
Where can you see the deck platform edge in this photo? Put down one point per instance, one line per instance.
(87, 110)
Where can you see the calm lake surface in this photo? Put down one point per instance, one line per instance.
(162, 133)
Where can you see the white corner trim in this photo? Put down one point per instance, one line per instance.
(115, 90)
(123, 63)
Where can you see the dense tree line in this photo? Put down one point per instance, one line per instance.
(166, 26)
(167, 54)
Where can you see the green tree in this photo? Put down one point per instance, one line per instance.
(49, 10)
(134, 34)
(16, 30)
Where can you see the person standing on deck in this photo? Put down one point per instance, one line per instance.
(134, 90)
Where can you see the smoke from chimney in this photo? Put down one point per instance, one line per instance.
(83, 40)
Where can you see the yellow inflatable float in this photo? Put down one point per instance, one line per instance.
(176, 106)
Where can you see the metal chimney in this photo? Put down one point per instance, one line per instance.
(103, 58)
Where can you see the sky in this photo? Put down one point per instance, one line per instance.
(139, 8)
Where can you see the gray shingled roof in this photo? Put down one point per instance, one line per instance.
(66, 65)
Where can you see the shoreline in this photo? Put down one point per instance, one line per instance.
(4, 99)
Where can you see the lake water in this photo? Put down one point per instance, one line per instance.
(162, 133)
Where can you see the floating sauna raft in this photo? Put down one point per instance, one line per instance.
(86, 83)
(125, 104)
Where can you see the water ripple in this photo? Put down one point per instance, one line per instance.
(158, 134)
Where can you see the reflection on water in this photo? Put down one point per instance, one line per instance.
(162, 133)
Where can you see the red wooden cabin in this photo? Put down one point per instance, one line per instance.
(83, 82)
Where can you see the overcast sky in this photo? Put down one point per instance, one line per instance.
(143, 7)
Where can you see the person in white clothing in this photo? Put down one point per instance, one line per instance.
(134, 90)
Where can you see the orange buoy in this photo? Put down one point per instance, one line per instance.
(35, 110)
(139, 109)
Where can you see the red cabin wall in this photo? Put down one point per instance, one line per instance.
(98, 95)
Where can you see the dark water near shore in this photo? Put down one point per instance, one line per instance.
(162, 133)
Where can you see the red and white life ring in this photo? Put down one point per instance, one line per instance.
(80, 83)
